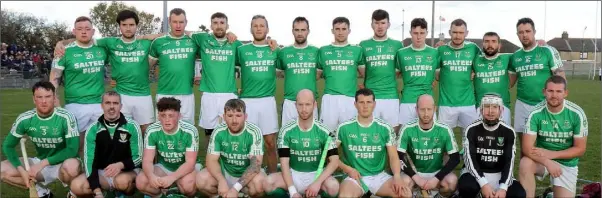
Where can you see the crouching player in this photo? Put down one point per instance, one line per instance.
(176, 142)
(53, 131)
(301, 146)
(489, 157)
(425, 141)
(111, 152)
(234, 156)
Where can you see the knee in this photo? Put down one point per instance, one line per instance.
(123, 182)
(201, 181)
(141, 181)
(269, 184)
(449, 182)
(78, 185)
(270, 143)
(525, 166)
(258, 181)
(69, 169)
(407, 181)
(331, 187)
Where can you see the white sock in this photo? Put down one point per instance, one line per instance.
(42, 191)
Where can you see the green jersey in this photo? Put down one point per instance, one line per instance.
(258, 70)
(176, 57)
(533, 67)
(380, 67)
(556, 131)
(129, 64)
(234, 149)
(340, 64)
(491, 76)
(218, 58)
(55, 137)
(305, 147)
(299, 65)
(456, 87)
(417, 68)
(426, 148)
(172, 148)
(84, 73)
(365, 147)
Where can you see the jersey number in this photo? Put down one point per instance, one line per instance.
(306, 144)
(235, 147)
(169, 146)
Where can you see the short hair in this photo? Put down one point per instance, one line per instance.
(81, 19)
(46, 85)
(111, 93)
(556, 80)
(380, 14)
(177, 11)
(300, 19)
(364, 92)
(492, 34)
(236, 105)
(341, 20)
(459, 22)
(219, 15)
(127, 14)
(168, 103)
(525, 20)
(259, 16)
(419, 22)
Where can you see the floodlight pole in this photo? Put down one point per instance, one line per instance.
(433, 25)
(164, 29)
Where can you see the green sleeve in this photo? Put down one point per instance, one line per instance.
(153, 50)
(17, 131)
(320, 59)
(532, 124)
(437, 59)
(237, 60)
(149, 140)
(390, 136)
(402, 144)
(198, 38)
(214, 146)
(450, 146)
(193, 142)
(283, 141)
(580, 128)
(72, 142)
(136, 145)
(398, 58)
(361, 58)
(280, 63)
(89, 150)
(257, 146)
(554, 59)
(511, 64)
(60, 63)
(104, 42)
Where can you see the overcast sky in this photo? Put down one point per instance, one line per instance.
(481, 17)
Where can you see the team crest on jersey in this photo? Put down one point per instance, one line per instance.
(122, 137)
(436, 140)
(349, 54)
(537, 57)
(55, 131)
(498, 63)
(98, 53)
(527, 59)
(429, 59)
(467, 54)
(376, 138)
(180, 145)
(259, 54)
(390, 49)
(567, 124)
(500, 141)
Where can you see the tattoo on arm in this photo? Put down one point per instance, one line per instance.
(251, 171)
(58, 74)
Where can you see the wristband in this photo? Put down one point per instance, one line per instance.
(237, 186)
(292, 190)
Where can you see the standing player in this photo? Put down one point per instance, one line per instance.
(234, 156)
(531, 66)
(53, 131)
(426, 141)
(379, 71)
(175, 143)
(456, 91)
(489, 157)
(417, 64)
(176, 55)
(298, 63)
(340, 62)
(491, 73)
(258, 70)
(366, 144)
(83, 66)
(109, 164)
(556, 136)
(301, 144)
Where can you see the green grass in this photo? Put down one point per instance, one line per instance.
(585, 93)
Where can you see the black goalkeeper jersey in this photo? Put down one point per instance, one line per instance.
(489, 150)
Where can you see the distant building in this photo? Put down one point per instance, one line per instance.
(507, 46)
(576, 48)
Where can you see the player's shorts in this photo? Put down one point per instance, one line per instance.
(407, 113)
(187, 109)
(505, 115)
(262, 112)
(458, 116)
(139, 108)
(197, 167)
(110, 181)
(336, 109)
(521, 114)
(85, 114)
(492, 178)
(373, 182)
(567, 180)
(388, 110)
(302, 180)
(212, 108)
(50, 173)
(289, 111)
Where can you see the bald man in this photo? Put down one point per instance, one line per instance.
(426, 141)
(301, 143)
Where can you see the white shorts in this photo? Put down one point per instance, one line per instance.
(85, 114)
(373, 182)
(567, 180)
(139, 108)
(289, 111)
(336, 109)
(212, 109)
(197, 167)
(521, 114)
(458, 116)
(187, 103)
(504, 117)
(388, 110)
(302, 180)
(262, 112)
(407, 113)
(50, 173)
(492, 178)
(101, 173)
